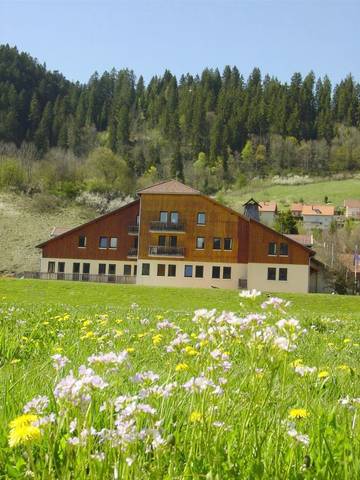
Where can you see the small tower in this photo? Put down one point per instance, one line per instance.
(251, 209)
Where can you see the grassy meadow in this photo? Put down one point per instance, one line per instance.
(127, 382)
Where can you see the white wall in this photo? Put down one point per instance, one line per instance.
(297, 278)
(94, 265)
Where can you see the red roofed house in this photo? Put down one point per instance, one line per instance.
(352, 209)
(268, 210)
(172, 235)
(314, 216)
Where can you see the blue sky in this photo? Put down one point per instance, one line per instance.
(78, 37)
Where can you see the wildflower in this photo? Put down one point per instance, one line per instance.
(191, 351)
(156, 339)
(130, 349)
(195, 417)
(180, 367)
(303, 439)
(323, 374)
(304, 370)
(298, 413)
(129, 461)
(22, 430)
(148, 376)
(59, 361)
(108, 358)
(344, 368)
(37, 405)
(252, 294)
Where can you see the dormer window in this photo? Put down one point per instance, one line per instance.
(272, 248)
(82, 241)
(284, 249)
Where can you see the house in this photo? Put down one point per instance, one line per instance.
(314, 216)
(268, 211)
(352, 209)
(172, 235)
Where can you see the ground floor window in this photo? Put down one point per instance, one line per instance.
(283, 274)
(215, 272)
(76, 267)
(127, 269)
(86, 268)
(171, 270)
(61, 267)
(51, 267)
(188, 271)
(102, 268)
(161, 270)
(112, 269)
(227, 273)
(271, 273)
(199, 271)
(145, 269)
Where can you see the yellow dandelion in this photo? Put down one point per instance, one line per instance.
(23, 434)
(195, 417)
(130, 349)
(119, 320)
(191, 351)
(180, 367)
(347, 340)
(14, 361)
(298, 413)
(203, 343)
(118, 333)
(193, 335)
(344, 368)
(86, 323)
(89, 334)
(159, 317)
(323, 374)
(23, 420)
(57, 349)
(156, 339)
(297, 362)
(141, 335)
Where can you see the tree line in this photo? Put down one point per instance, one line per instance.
(214, 129)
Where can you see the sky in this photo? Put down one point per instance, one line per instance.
(79, 37)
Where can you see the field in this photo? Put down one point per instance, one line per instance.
(106, 381)
(336, 191)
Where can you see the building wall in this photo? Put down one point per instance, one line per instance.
(267, 218)
(220, 222)
(94, 265)
(114, 224)
(352, 212)
(297, 278)
(238, 271)
(317, 221)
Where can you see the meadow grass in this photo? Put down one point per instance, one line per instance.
(212, 398)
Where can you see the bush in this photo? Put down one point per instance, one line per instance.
(12, 175)
(45, 202)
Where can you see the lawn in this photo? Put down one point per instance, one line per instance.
(107, 381)
(336, 191)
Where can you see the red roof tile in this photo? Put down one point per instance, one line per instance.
(169, 187)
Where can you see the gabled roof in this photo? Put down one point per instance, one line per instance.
(56, 231)
(306, 240)
(296, 207)
(251, 201)
(268, 207)
(352, 203)
(318, 210)
(169, 187)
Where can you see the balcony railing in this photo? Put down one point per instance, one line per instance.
(132, 252)
(159, 251)
(157, 226)
(82, 277)
(133, 229)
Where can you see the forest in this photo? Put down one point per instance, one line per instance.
(214, 130)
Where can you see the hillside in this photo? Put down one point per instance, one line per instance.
(23, 226)
(336, 191)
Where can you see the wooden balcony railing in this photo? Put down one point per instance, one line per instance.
(159, 251)
(132, 252)
(82, 277)
(133, 229)
(157, 226)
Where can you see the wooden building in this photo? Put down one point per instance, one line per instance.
(173, 235)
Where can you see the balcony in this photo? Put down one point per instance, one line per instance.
(157, 226)
(160, 251)
(133, 229)
(82, 277)
(132, 253)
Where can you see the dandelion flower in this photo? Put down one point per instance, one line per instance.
(195, 417)
(323, 374)
(180, 367)
(23, 431)
(345, 368)
(298, 413)
(156, 339)
(23, 420)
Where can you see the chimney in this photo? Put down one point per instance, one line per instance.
(251, 209)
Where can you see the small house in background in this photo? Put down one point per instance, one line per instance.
(252, 209)
(314, 216)
(268, 211)
(352, 208)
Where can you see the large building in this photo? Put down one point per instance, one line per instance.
(173, 235)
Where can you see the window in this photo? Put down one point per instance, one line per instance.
(136, 242)
(171, 270)
(272, 248)
(227, 273)
(284, 249)
(200, 243)
(112, 269)
(135, 270)
(201, 218)
(103, 242)
(82, 241)
(51, 267)
(188, 272)
(145, 269)
(174, 217)
(283, 274)
(216, 243)
(102, 268)
(215, 272)
(173, 241)
(137, 219)
(76, 267)
(113, 242)
(162, 241)
(199, 271)
(227, 243)
(127, 269)
(61, 267)
(161, 270)
(163, 217)
(271, 273)
(86, 268)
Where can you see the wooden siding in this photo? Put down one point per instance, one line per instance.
(112, 225)
(220, 222)
(259, 238)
